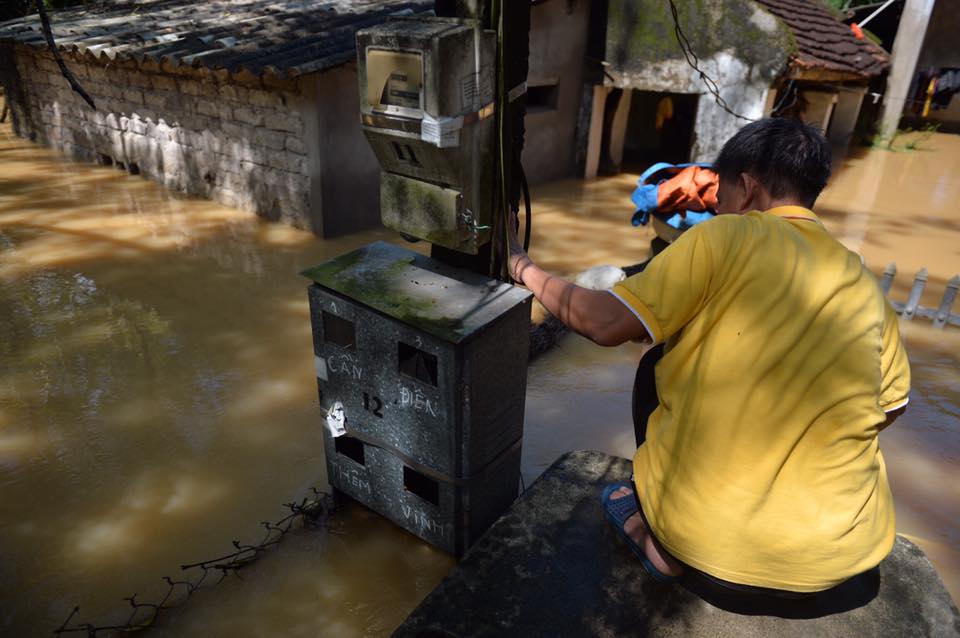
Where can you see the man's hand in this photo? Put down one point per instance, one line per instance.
(595, 314)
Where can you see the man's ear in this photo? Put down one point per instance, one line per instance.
(750, 193)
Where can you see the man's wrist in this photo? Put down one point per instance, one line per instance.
(521, 263)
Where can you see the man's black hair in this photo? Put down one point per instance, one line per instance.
(787, 157)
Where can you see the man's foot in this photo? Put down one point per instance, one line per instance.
(638, 533)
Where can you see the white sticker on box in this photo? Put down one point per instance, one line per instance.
(443, 132)
(336, 420)
(321, 364)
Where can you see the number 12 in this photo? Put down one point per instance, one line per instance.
(378, 404)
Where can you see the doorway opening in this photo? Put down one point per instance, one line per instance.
(659, 128)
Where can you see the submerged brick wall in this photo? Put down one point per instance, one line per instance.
(192, 130)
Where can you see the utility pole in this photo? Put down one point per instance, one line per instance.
(516, 45)
(906, 51)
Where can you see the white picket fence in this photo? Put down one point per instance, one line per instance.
(912, 308)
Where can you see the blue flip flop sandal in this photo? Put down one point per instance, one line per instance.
(617, 512)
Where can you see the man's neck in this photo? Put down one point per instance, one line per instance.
(765, 203)
(784, 201)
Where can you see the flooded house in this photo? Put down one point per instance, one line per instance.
(158, 393)
(648, 103)
(252, 104)
(255, 104)
(933, 96)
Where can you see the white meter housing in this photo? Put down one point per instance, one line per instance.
(427, 108)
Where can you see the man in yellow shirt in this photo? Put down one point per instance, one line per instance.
(782, 362)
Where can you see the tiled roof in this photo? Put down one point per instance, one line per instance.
(286, 38)
(824, 43)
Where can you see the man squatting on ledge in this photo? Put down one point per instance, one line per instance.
(761, 470)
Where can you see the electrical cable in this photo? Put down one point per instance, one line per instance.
(501, 217)
(875, 13)
(525, 188)
(693, 61)
(780, 106)
(527, 201)
(500, 253)
(506, 142)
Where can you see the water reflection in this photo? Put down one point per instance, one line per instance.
(922, 451)
(157, 396)
(358, 579)
(156, 390)
(900, 207)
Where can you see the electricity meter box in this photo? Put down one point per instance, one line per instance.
(427, 109)
(421, 372)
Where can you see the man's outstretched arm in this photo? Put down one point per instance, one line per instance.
(595, 314)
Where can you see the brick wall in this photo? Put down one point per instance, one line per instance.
(193, 130)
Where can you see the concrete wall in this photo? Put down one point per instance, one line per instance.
(820, 105)
(744, 91)
(558, 42)
(940, 50)
(739, 45)
(940, 44)
(843, 122)
(345, 184)
(740, 86)
(914, 20)
(594, 128)
(245, 145)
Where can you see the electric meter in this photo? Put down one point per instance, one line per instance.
(427, 107)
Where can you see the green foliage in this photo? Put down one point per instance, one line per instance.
(925, 133)
(841, 5)
(641, 33)
(873, 37)
(910, 139)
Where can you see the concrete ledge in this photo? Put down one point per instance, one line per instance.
(551, 567)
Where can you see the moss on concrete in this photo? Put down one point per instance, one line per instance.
(641, 32)
(329, 270)
(420, 209)
(381, 285)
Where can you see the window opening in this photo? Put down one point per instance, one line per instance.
(417, 364)
(339, 331)
(350, 447)
(421, 485)
(543, 97)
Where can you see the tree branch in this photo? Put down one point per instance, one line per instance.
(48, 34)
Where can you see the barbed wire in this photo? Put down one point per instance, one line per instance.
(309, 513)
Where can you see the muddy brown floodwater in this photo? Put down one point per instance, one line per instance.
(157, 397)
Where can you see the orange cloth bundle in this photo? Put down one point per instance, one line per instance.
(693, 188)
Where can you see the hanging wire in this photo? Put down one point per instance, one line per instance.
(694, 62)
(527, 205)
(495, 261)
(500, 255)
(506, 148)
(501, 146)
(52, 45)
(792, 92)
